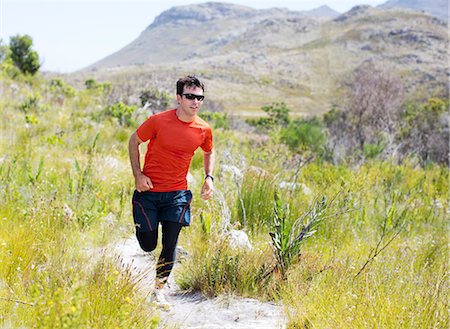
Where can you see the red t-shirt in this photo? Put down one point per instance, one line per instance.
(171, 147)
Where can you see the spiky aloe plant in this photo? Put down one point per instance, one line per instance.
(287, 238)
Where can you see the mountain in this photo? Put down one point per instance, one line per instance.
(207, 29)
(250, 58)
(438, 8)
(322, 11)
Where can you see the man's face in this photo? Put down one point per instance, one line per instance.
(190, 107)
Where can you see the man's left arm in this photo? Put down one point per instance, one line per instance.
(208, 185)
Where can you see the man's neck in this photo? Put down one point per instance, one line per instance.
(183, 117)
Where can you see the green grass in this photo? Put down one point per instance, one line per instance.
(398, 212)
(64, 193)
(65, 189)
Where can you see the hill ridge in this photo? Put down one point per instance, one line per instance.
(280, 54)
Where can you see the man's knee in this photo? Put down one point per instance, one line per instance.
(146, 241)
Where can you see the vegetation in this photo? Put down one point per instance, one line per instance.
(22, 55)
(64, 190)
(155, 100)
(354, 240)
(375, 120)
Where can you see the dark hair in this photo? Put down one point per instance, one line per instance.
(189, 81)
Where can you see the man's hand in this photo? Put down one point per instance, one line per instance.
(143, 183)
(207, 189)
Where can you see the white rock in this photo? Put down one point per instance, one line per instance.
(288, 185)
(292, 186)
(239, 239)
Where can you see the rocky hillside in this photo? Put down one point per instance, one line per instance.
(210, 29)
(438, 8)
(250, 57)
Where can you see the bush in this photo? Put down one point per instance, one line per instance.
(218, 119)
(304, 135)
(425, 131)
(91, 84)
(154, 99)
(122, 112)
(26, 59)
(60, 88)
(277, 115)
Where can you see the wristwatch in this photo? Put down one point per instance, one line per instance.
(210, 176)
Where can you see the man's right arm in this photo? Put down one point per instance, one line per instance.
(142, 182)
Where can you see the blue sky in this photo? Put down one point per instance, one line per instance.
(71, 34)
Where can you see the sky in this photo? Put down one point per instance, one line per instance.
(72, 34)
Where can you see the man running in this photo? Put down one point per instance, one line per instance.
(162, 195)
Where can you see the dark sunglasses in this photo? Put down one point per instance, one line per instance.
(193, 96)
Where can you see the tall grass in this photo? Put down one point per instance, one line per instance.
(63, 195)
(379, 261)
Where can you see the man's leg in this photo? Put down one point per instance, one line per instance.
(170, 232)
(148, 240)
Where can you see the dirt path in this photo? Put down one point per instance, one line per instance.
(193, 310)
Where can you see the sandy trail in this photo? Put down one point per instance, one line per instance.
(193, 310)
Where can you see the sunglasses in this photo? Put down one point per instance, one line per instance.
(193, 96)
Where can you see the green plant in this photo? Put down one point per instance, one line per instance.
(254, 203)
(215, 268)
(52, 273)
(303, 135)
(371, 151)
(34, 177)
(287, 238)
(122, 112)
(154, 99)
(425, 130)
(205, 221)
(93, 85)
(90, 84)
(394, 219)
(26, 59)
(31, 104)
(59, 87)
(218, 119)
(277, 115)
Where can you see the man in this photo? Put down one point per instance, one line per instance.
(162, 195)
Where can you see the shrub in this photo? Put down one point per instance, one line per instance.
(218, 119)
(26, 59)
(277, 115)
(287, 237)
(303, 135)
(122, 112)
(59, 87)
(104, 87)
(154, 99)
(425, 130)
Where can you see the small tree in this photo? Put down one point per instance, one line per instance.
(91, 84)
(374, 98)
(104, 87)
(304, 135)
(425, 131)
(369, 115)
(155, 100)
(59, 87)
(22, 55)
(277, 116)
(122, 112)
